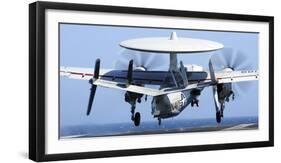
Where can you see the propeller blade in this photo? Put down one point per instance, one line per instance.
(218, 62)
(243, 87)
(239, 60)
(143, 59)
(97, 69)
(236, 90)
(130, 72)
(121, 65)
(236, 60)
(228, 58)
(93, 87)
(148, 61)
(156, 61)
(246, 66)
(91, 99)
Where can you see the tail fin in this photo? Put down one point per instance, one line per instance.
(183, 74)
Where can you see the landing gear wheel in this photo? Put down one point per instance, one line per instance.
(137, 119)
(218, 117)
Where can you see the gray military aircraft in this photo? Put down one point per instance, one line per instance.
(179, 86)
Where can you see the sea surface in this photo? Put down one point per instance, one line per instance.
(169, 126)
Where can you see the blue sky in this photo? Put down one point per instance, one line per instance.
(81, 45)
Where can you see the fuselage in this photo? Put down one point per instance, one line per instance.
(172, 104)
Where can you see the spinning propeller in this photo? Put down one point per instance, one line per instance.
(232, 60)
(143, 61)
(228, 61)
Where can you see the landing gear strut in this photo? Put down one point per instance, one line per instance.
(132, 98)
(159, 121)
(133, 107)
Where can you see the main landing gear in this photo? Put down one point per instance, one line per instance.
(195, 102)
(135, 117)
(159, 121)
(132, 98)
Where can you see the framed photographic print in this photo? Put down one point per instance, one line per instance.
(111, 81)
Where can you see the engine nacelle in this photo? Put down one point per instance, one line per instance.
(224, 92)
(132, 97)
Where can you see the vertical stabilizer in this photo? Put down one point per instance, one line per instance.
(173, 36)
(183, 74)
(173, 56)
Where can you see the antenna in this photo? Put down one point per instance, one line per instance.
(171, 45)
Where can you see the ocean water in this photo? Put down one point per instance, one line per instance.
(169, 126)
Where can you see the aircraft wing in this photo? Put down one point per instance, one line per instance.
(77, 73)
(139, 77)
(117, 79)
(237, 76)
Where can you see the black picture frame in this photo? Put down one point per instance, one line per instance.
(37, 80)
